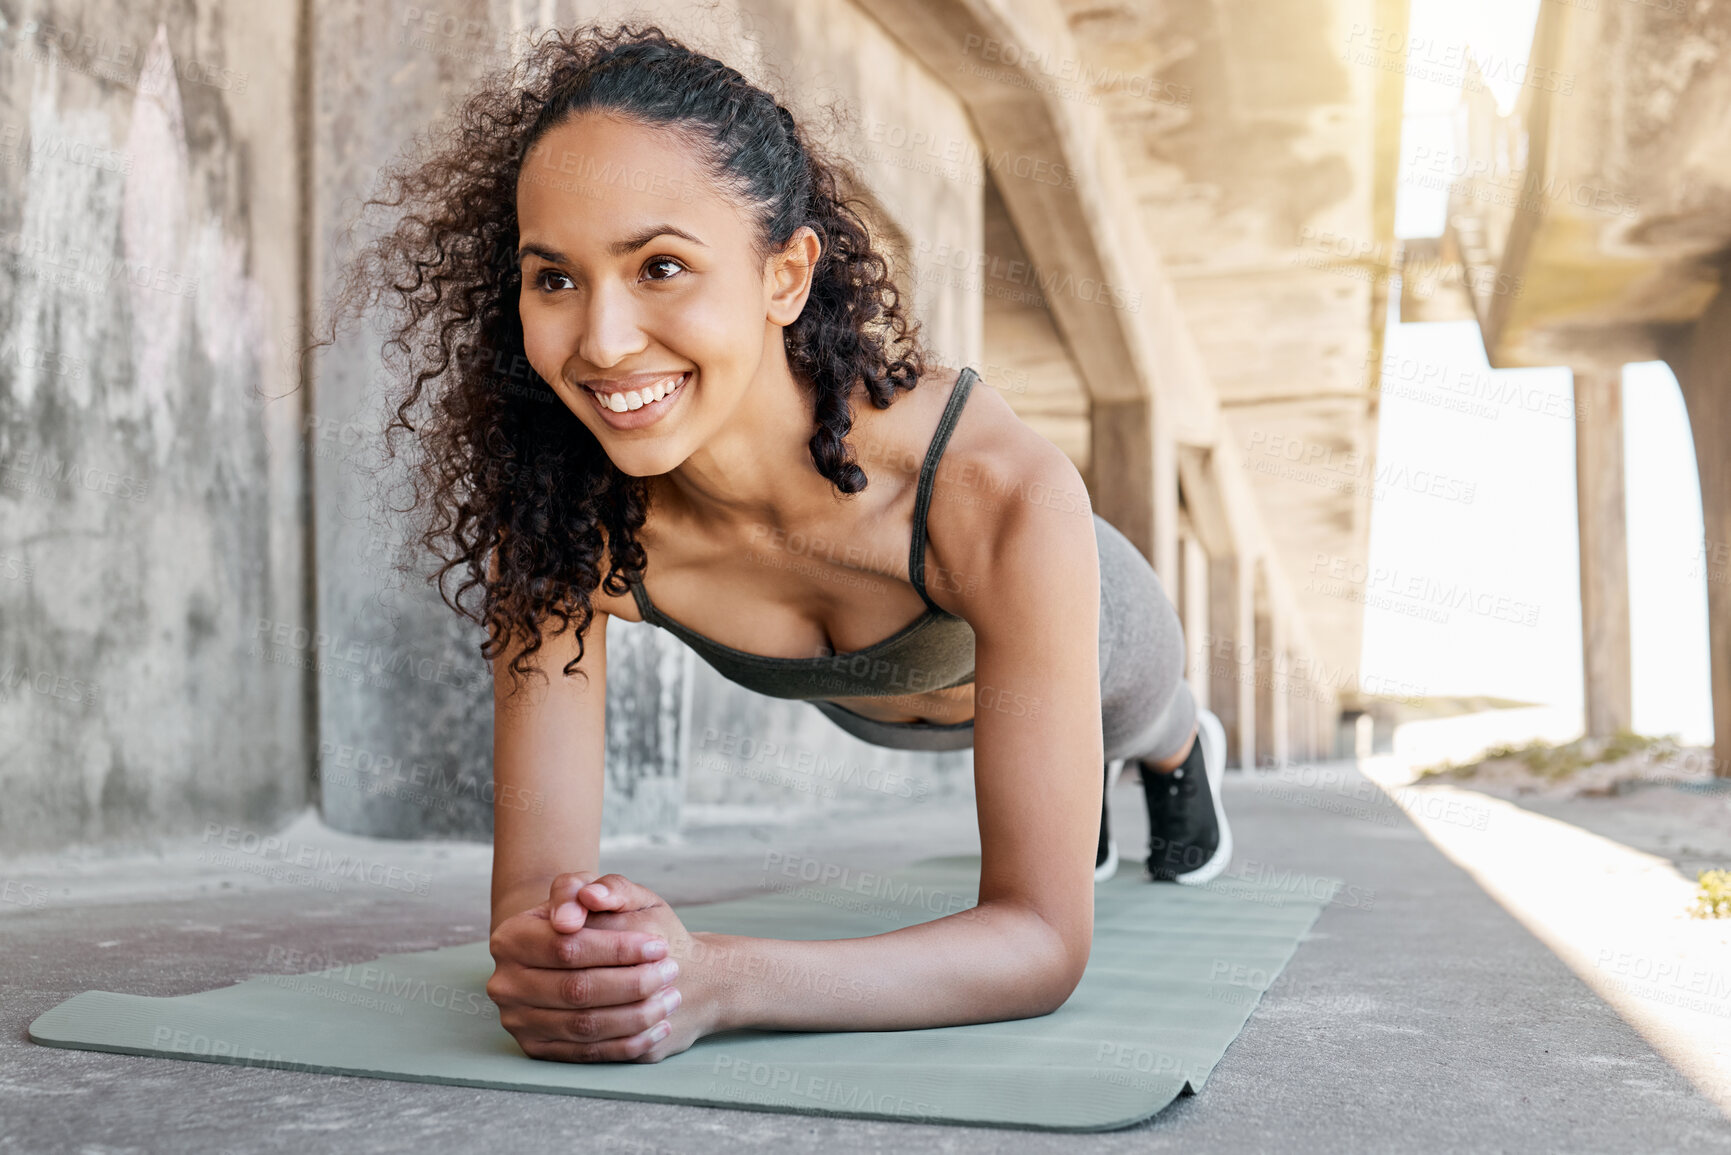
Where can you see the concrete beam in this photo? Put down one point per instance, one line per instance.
(1111, 298)
(1608, 232)
(1231, 644)
(1604, 549)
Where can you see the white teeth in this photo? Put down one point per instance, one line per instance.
(636, 399)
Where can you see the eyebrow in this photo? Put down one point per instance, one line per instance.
(618, 248)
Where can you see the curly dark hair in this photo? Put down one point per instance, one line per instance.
(504, 472)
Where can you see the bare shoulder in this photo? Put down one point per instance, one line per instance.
(1003, 496)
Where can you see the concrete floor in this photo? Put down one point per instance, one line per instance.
(1418, 1016)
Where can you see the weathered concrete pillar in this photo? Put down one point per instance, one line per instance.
(1701, 359)
(1604, 549)
(1193, 612)
(1231, 647)
(1272, 666)
(1164, 500)
(1135, 468)
(1262, 678)
(1280, 694)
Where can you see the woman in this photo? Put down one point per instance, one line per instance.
(715, 347)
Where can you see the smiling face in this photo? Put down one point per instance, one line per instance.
(644, 302)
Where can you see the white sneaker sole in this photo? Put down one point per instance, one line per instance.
(1110, 867)
(1212, 735)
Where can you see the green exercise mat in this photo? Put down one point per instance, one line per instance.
(1175, 972)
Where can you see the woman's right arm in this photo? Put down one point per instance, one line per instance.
(549, 750)
(602, 994)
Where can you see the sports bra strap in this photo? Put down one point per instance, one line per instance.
(928, 475)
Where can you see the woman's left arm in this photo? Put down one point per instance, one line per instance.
(1028, 584)
(1014, 553)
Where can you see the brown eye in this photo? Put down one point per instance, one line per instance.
(545, 276)
(662, 263)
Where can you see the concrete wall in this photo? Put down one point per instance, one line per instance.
(150, 506)
(166, 659)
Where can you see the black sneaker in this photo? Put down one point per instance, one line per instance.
(1189, 840)
(1106, 859)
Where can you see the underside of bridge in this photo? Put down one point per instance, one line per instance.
(1227, 171)
(1591, 228)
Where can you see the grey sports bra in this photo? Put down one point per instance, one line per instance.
(933, 652)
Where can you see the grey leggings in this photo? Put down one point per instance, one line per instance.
(1146, 707)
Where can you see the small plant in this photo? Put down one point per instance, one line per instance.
(1714, 901)
(1445, 768)
(1554, 762)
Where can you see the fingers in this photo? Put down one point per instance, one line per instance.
(563, 909)
(583, 988)
(636, 1047)
(531, 945)
(592, 1034)
(590, 1024)
(616, 892)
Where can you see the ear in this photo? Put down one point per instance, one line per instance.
(789, 276)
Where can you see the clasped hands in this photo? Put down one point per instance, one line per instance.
(603, 971)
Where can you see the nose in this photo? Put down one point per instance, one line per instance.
(611, 327)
